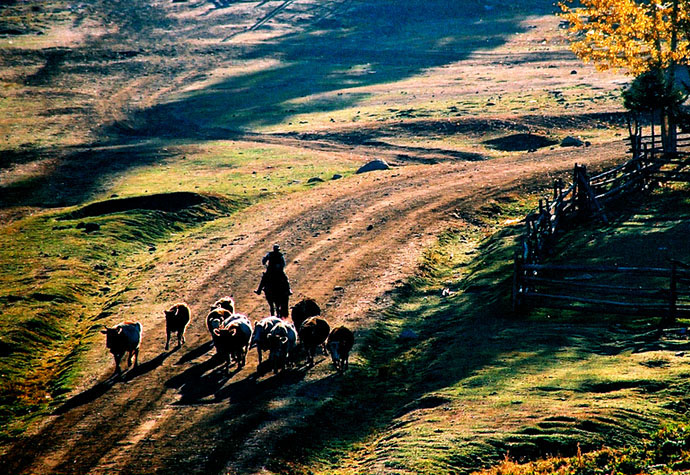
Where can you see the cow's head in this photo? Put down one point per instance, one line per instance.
(227, 303)
(111, 334)
(333, 349)
(278, 341)
(229, 330)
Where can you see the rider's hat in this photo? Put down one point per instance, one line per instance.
(276, 247)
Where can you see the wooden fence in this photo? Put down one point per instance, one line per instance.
(663, 292)
(539, 285)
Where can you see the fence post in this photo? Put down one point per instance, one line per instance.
(673, 296)
(549, 222)
(581, 199)
(639, 170)
(515, 297)
(555, 190)
(576, 189)
(529, 242)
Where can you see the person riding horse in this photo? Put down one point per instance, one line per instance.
(274, 261)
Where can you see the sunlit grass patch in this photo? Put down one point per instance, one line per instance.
(666, 451)
(244, 170)
(61, 277)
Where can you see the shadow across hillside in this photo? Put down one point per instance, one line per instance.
(316, 67)
(319, 66)
(98, 390)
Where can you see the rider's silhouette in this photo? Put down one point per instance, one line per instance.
(275, 263)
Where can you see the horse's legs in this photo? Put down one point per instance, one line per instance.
(283, 307)
(271, 306)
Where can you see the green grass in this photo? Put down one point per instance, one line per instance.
(666, 451)
(244, 170)
(477, 384)
(59, 283)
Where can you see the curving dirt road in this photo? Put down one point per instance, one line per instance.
(177, 413)
(348, 241)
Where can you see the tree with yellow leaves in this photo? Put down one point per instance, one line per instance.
(633, 35)
(638, 36)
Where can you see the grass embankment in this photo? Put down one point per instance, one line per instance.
(666, 451)
(450, 384)
(60, 280)
(64, 272)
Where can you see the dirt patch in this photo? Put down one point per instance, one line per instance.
(170, 202)
(613, 386)
(520, 142)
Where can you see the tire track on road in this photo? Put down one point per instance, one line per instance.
(130, 429)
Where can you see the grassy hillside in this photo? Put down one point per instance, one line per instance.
(63, 271)
(447, 384)
(132, 127)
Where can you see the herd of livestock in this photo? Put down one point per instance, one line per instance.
(233, 336)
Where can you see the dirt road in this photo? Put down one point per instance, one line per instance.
(178, 413)
(348, 241)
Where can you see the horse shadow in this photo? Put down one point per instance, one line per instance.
(249, 389)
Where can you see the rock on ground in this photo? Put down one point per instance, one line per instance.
(571, 141)
(374, 165)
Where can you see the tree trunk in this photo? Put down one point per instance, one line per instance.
(635, 133)
(669, 133)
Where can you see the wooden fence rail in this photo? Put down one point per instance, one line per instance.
(586, 197)
(651, 291)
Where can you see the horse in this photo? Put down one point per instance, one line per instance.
(277, 291)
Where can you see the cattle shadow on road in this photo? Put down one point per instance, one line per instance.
(195, 353)
(102, 387)
(207, 382)
(249, 389)
(200, 383)
(86, 397)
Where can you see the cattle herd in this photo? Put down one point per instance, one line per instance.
(233, 336)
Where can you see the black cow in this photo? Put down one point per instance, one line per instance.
(123, 338)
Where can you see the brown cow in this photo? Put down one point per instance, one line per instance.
(228, 303)
(312, 333)
(177, 318)
(339, 344)
(304, 309)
